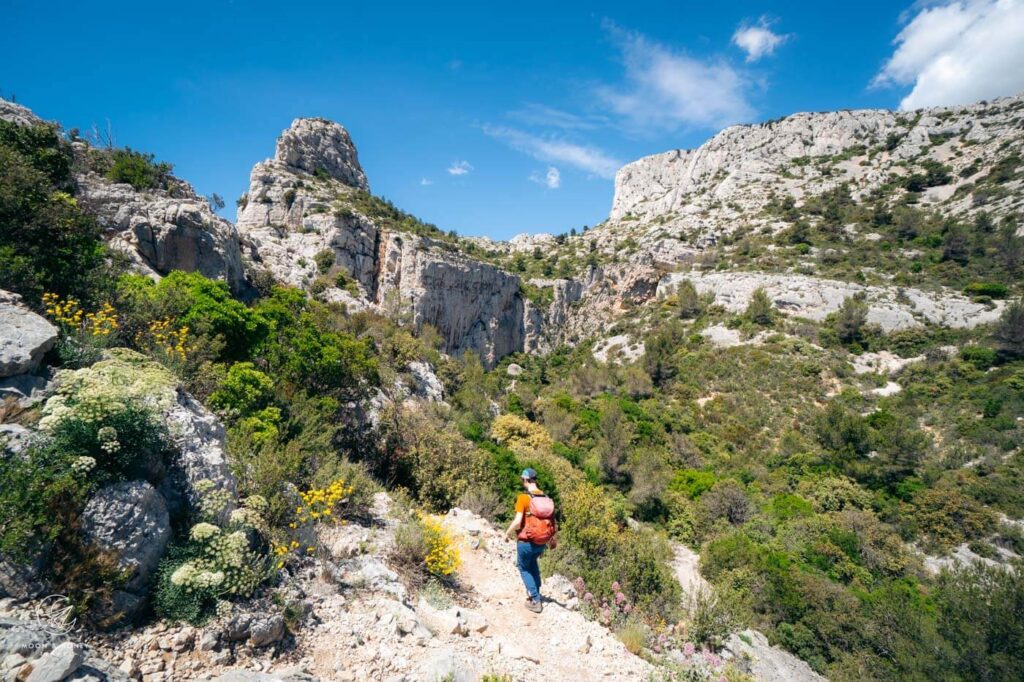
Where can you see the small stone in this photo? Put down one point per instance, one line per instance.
(208, 641)
(12, 661)
(473, 621)
(129, 667)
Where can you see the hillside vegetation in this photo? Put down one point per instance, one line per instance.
(822, 500)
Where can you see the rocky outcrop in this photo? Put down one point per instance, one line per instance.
(316, 145)
(161, 232)
(767, 663)
(24, 336)
(705, 190)
(200, 441)
(891, 308)
(304, 219)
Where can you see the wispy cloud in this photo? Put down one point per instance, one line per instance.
(543, 115)
(426, 182)
(460, 168)
(958, 52)
(667, 90)
(757, 40)
(553, 150)
(551, 179)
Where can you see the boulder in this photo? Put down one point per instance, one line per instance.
(24, 336)
(130, 520)
(58, 664)
(258, 629)
(428, 386)
(24, 580)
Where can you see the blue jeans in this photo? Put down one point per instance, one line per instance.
(527, 554)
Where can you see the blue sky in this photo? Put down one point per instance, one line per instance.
(477, 117)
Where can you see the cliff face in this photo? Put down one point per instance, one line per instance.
(309, 220)
(725, 182)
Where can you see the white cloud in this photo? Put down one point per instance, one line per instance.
(959, 52)
(552, 179)
(426, 182)
(667, 90)
(757, 40)
(584, 157)
(460, 168)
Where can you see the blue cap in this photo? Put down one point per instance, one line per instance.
(529, 474)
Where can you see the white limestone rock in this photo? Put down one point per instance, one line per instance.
(24, 336)
(162, 231)
(815, 298)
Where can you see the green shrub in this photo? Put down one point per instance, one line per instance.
(990, 289)
(205, 306)
(39, 489)
(324, 260)
(979, 356)
(217, 561)
(760, 310)
(137, 169)
(47, 244)
(244, 391)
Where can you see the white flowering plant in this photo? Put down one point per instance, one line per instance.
(219, 562)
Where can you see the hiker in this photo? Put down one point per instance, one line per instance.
(534, 528)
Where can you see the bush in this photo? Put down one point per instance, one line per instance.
(850, 319)
(513, 430)
(979, 356)
(711, 618)
(324, 260)
(244, 391)
(990, 289)
(204, 306)
(41, 488)
(425, 548)
(1009, 330)
(137, 169)
(47, 244)
(945, 518)
(302, 351)
(217, 562)
(760, 310)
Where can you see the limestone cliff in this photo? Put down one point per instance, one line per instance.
(309, 220)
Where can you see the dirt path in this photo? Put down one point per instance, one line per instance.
(563, 644)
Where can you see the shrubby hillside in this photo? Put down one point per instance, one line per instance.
(805, 368)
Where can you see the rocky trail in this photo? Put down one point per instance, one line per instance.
(354, 618)
(488, 632)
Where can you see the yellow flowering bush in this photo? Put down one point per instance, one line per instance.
(322, 503)
(72, 318)
(162, 337)
(443, 558)
(513, 430)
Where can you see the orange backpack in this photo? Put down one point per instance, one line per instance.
(539, 520)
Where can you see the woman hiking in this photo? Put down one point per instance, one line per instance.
(534, 528)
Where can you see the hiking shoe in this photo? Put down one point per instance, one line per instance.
(534, 605)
